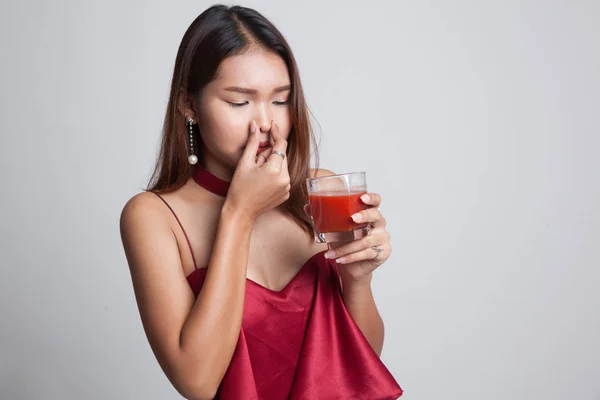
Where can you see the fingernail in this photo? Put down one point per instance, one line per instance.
(357, 217)
(330, 254)
(365, 198)
(252, 126)
(341, 260)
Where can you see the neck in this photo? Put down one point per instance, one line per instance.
(211, 181)
(217, 168)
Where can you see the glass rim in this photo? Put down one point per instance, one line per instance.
(335, 175)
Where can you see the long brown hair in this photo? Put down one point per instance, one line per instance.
(218, 33)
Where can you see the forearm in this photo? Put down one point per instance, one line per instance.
(360, 303)
(212, 329)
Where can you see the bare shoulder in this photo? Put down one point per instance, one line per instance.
(141, 209)
(316, 173)
(139, 202)
(144, 222)
(162, 293)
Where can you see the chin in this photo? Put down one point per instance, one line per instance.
(232, 160)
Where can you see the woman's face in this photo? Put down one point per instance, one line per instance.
(253, 86)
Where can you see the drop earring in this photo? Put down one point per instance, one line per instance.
(192, 159)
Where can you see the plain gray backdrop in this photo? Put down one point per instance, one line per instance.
(477, 121)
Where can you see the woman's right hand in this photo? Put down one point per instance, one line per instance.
(257, 185)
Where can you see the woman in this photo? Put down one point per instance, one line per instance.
(236, 298)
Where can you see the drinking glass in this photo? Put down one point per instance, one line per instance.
(332, 201)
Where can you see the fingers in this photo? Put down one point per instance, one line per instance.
(252, 144)
(362, 246)
(284, 164)
(275, 160)
(378, 254)
(371, 199)
(263, 157)
(372, 215)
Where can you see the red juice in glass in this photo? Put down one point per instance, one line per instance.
(332, 212)
(332, 201)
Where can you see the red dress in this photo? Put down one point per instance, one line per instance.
(300, 342)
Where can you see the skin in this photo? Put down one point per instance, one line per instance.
(235, 237)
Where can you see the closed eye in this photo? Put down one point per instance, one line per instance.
(278, 103)
(237, 104)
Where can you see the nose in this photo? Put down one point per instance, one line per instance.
(266, 127)
(263, 120)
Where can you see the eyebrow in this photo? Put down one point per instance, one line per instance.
(238, 89)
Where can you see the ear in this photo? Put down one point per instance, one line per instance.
(187, 105)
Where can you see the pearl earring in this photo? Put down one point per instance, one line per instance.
(192, 159)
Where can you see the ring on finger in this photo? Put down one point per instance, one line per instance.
(377, 250)
(278, 153)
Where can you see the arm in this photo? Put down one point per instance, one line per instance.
(193, 339)
(356, 273)
(360, 303)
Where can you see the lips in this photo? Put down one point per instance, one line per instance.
(261, 149)
(262, 146)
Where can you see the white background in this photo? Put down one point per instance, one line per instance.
(477, 121)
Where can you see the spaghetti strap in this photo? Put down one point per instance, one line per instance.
(182, 229)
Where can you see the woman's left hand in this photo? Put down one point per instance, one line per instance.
(360, 257)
